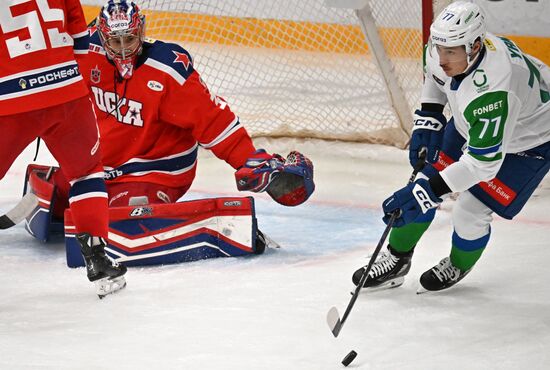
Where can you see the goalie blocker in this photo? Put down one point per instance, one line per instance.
(157, 233)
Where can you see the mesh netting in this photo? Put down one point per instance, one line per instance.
(295, 67)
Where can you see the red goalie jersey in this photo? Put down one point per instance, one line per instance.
(37, 66)
(152, 123)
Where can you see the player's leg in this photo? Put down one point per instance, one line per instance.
(472, 230)
(18, 131)
(517, 179)
(395, 262)
(74, 142)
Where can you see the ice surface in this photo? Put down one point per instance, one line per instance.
(268, 312)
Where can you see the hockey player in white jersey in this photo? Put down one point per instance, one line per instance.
(494, 151)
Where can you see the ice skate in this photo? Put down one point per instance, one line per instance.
(388, 271)
(442, 276)
(107, 274)
(263, 241)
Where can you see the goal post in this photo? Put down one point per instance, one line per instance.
(330, 69)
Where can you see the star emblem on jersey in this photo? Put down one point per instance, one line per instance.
(183, 59)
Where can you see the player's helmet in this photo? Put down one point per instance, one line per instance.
(121, 29)
(460, 23)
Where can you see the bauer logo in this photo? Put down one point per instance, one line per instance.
(141, 211)
(155, 86)
(438, 38)
(233, 203)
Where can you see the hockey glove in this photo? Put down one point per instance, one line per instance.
(411, 201)
(288, 181)
(258, 171)
(427, 132)
(294, 184)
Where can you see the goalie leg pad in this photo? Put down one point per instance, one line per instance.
(41, 223)
(173, 233)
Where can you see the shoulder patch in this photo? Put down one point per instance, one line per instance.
(489, 44)
(171, 58)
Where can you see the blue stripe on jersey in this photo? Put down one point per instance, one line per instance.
(161, 165)
(171, 55)
(25, 84)
(484, 151)
(81, 44)
(470, 245)
(93, 185)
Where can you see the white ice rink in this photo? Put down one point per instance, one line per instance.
(268, 312)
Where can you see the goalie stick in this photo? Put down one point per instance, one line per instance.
(333, 318)
(18, 213)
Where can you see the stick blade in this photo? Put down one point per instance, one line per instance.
(334, 322)
(25, 206)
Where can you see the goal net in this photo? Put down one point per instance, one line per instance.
(302, 68)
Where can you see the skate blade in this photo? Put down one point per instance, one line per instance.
(422, 290)
(107, 286)
(397, 282)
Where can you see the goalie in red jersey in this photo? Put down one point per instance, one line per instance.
(154, 111)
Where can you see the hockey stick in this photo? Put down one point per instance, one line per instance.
(18, 213)
(333, 318)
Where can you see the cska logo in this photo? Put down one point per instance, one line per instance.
(95, 75)
(126, 111)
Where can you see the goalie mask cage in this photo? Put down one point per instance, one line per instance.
(329, 69)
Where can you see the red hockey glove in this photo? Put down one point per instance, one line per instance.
(288, 181)
(258, 171)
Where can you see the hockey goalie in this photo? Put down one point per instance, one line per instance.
(153, 112)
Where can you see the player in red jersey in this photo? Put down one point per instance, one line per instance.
(42, 94)
(154, 111)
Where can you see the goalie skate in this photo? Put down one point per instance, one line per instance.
(109, 285)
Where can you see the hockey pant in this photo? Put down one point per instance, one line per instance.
(70, 132)
(506, 194)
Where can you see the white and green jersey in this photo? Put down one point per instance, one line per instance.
(501, 106)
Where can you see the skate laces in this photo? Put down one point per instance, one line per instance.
(445, 270)
(383, 264)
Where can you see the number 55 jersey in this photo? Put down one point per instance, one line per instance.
(39, 41)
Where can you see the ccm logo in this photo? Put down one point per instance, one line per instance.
(427, 123)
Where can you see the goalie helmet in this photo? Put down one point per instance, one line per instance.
(121, 29)
(459, 24)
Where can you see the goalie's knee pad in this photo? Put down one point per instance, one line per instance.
(172, 233)
(41, 222)
(294, 184)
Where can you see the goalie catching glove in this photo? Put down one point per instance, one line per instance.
(288, 181)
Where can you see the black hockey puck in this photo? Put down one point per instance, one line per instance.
(349, 358)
